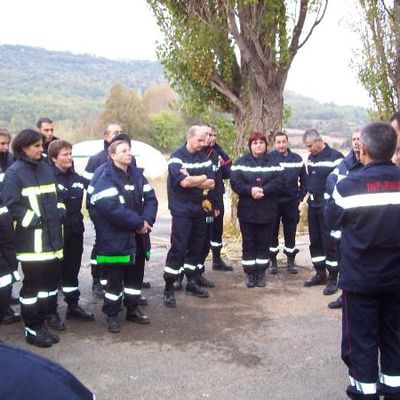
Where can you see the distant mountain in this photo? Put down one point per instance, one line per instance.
(63, 85)
(68, 87)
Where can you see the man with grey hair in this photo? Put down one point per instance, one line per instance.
(189, 174)
(322, 160)
(365, 205)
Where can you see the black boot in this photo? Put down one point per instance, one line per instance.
(319, 278)
(204, 282)
(10, 316)
(74, 311)
(290, 265)
(135, 315)
(113, 324)
(169, 295)
(260, 279)
(178, 282)
(251, 279)
(54, 338)
(218, 264)
(331, 287)
(97, 289)
(274, 265)
(336, 304)
(36, 336)
(55, 322)
(193, 289)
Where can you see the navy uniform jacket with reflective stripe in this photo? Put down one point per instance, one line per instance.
(215, 195)
(8, 261)
(30, 194)
(6, 160)
(318, 169)
(121, 202)
(348, 164)
(295, 187)
(70, 187)
(186, 202)
(266, 173)
(366, 206)
(95, 161)
(27, 376)
(226, 162)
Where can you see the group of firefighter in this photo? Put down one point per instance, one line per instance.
(353, 209)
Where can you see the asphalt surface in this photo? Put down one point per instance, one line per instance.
(280, 342)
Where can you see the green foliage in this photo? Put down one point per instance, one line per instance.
(125, 107)
(377, 62)
(168, 130)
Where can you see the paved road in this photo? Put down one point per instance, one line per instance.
(279, 342)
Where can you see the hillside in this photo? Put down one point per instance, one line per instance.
(63, 85)
(69, 87)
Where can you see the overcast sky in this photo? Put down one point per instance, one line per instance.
(126, 29)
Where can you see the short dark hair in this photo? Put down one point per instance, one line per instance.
(43, 120)
(312, 134)
(25, 138)
(380, 140)
(256, 136)
(55, 147)
(281, 134)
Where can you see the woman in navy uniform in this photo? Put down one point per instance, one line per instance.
(257, 178)
(123, 204)
(70, 187)
(30, 194)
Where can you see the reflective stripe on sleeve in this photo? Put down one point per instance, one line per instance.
(366, 200)
(204, 164)
(147, 188)
(88, 175)
(110, 192)
(3, 210)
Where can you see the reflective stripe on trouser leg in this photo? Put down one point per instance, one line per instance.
(318, 237)
(114, 289)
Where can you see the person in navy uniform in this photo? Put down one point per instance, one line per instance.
(322, 160)
(288, 201)
(94, 162)
(25, 375)
(257, 178)
(30, 194)
(189, 174)
(224, 168)
(366, 207)
(8, 260)
(124, 206)
(6, 160)
(70, 186)
(348, 165)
